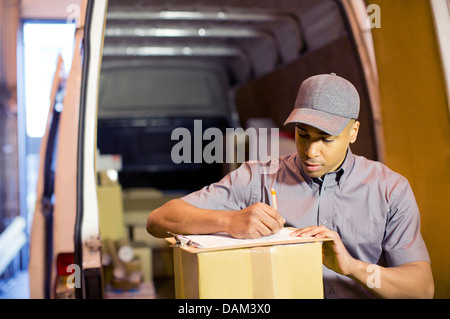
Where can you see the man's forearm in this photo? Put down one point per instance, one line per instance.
(180, 217)
(411, 280)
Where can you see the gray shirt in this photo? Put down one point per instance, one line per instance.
(372, 208)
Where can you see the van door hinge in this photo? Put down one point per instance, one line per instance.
(46, 207)
(94, 244)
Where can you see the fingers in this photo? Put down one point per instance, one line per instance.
(263, 220)
(302, 232)
(322, 232)
(315, 231)
(271, 218)
(273, 213)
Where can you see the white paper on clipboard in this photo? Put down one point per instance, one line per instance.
(223, 239)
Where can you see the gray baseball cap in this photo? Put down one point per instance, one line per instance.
(327, 102)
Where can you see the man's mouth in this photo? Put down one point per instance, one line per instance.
(312, 167)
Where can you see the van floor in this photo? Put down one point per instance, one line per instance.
(18, 287)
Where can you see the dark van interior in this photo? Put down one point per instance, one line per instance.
(142, 102)
(167, 63)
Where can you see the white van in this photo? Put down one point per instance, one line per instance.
(140, 70)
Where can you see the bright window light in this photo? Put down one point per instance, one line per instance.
(42, 44)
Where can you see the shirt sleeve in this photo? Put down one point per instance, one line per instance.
(234, 192)
(403, 242)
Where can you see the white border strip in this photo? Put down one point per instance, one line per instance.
(90, 223)
(441, 13)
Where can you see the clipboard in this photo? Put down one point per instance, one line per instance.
(190, 245)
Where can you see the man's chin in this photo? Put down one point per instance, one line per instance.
(314, 174)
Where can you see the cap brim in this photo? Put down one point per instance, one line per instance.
(326, 122)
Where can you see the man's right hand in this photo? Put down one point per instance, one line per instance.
(181, 217)
(255, 221)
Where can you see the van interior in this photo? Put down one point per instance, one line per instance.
(229, 64)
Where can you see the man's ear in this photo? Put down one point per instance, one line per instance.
(354, 131)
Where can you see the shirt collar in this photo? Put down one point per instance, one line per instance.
(346, 167)
(339, 175)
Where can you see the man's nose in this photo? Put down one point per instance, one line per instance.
(312, 149)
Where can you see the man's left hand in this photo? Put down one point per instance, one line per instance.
(335, 255)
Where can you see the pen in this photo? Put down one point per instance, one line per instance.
(274, 198)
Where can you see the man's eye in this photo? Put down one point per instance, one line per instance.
(327, 140)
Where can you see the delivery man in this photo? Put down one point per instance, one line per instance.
(324, 190)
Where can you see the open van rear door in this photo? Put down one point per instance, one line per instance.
(65, 243)
(54, 216)
(41, 242)
(86, 234)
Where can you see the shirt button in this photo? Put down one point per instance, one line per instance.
(324, 222)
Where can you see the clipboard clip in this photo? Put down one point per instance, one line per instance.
(182, 241)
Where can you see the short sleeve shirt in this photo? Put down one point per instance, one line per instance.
(372, 208)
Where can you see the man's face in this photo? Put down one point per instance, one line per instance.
(321, 153)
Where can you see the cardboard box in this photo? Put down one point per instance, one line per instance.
(138, 203)
(278, 271)
(144, 253)
(110, 209)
